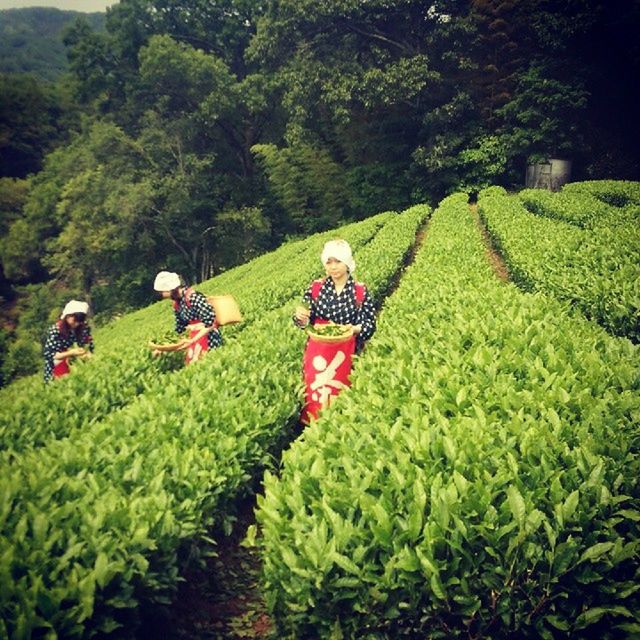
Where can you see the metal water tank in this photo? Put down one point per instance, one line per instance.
(548, 175)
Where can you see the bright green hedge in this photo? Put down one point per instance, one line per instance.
(581, 208)
(597, 270)
(616, 192)
(479, 480)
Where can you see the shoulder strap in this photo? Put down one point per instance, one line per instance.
(316, 285)
(360, 293)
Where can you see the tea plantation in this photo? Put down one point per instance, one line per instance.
(479, 480)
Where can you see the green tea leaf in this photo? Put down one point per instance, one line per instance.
(516, 503)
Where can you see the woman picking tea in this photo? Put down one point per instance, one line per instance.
(338, 299)
(193, 312)
(58, 345)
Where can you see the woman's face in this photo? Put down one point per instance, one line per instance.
(75, 320)
(171, 295)
(336, 269)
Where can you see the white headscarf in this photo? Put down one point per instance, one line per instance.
(74, 306)
(166, 281)
(340, 250)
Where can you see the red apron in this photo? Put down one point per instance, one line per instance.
(326, 368)
(61, 367)
(199, 348)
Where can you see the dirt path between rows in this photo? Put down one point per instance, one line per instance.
(495, 259)
(223, 599)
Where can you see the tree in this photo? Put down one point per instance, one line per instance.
(500, 49)
(196, 131)
(96, 69)
(310, 186)
(13, 195)
(521, 98)
(106, 65)
(376, 68)
(34, 119)
(22, 248)
(542, 119)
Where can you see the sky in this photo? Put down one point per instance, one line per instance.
(76, 5)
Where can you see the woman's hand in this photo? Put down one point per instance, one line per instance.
(185, 343)
(190, 342)
(69, 353)
(357, 328)
(302, 316)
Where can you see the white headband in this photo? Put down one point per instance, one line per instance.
(74, 306)
(166, 281)
(340, 250)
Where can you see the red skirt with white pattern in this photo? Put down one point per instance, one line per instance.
(326, 368)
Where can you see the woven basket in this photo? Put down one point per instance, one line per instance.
(174, 346)
(318, 337)
(226, 309)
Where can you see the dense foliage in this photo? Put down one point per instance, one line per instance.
(34, 119)
(480, 478)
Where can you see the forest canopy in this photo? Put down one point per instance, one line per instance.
(193, 136)
(32, 40)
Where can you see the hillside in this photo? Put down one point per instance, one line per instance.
(479, 479)
(31, 39)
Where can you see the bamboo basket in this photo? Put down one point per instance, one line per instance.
(226, 309)
(167, 348)
(319, 337)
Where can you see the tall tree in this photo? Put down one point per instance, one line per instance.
(522, 96)
(199, 127)
(23, 247)
(34, 118)
(107, 64)
(13, 195)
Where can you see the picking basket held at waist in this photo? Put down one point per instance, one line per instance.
(340, 333)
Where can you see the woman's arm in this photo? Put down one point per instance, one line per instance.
(366, 325)
(304, 313)
(54, 347)
(205, 313)
(69, 353)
